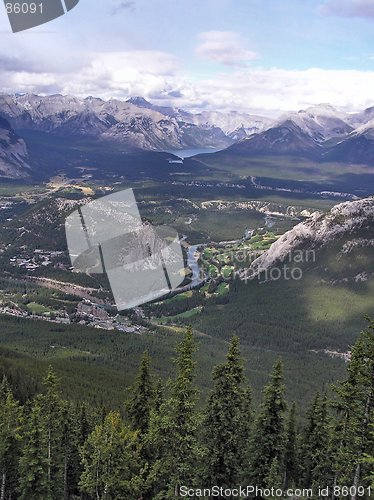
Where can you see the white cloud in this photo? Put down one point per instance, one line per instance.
(225, 47)
(105, 74)
(276, 90)
(159, 77)
(348, 8)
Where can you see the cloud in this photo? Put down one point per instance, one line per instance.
(13, 63)
(159, 76)
(174, 93)
(225, 47)
(348, 8)
(277, 90)
(124, 5)
(104, 74)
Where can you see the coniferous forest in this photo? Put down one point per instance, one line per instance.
(163, 444)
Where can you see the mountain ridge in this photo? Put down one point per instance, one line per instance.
(135, 122)
(320, 133)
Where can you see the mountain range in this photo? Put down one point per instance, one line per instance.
(135, 123)
(320, 133)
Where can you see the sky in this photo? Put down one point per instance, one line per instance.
(257, 56)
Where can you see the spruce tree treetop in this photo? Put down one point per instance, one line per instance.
(355, 412)
(142, 396)
(316, 459)
(227, 421)
(173, 430)
(234, 359)
(290, 465)
(268, 438)
(11, 426)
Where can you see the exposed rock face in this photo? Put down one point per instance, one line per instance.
(13, 153)
(343, 220)
(286, 138)
(134, 123)
(320, 133)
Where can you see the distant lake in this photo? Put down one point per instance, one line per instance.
(186, 153)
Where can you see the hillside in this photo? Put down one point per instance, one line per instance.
(349, 225)
(13, 153)
(294, 296)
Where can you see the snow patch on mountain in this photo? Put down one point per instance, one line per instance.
(135, 122)
(320, 122)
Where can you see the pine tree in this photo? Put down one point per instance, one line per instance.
(142, 398)
(10, 438)
(274, 477)
(172, 434)
(369, 460)
(51, 405)
(58, 422)
(268, 436)
(227, 421)
(111, 463)
(70, 444)
(159, 394)
(84, 427)
(33, 465)
(355, 409)
(316, 460)
(290, 462)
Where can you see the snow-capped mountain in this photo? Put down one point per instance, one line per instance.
(233, 121)
(321, 133)
(320, 122)
(345, 227)
(136, 123)
(229, 122)
(357, 147)
(286, 138)
(358, 119)
(13, 153)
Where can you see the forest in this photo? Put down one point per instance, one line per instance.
(161, 444)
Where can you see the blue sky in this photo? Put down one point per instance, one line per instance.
(253, 55)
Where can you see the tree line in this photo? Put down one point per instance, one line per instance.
(162, 440)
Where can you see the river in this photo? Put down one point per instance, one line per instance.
(187, 153)
(194, 266)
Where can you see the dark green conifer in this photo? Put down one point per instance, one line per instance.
(173, 430)
(142, 397)
(227, 421)
(269, 433)
(11, 423)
